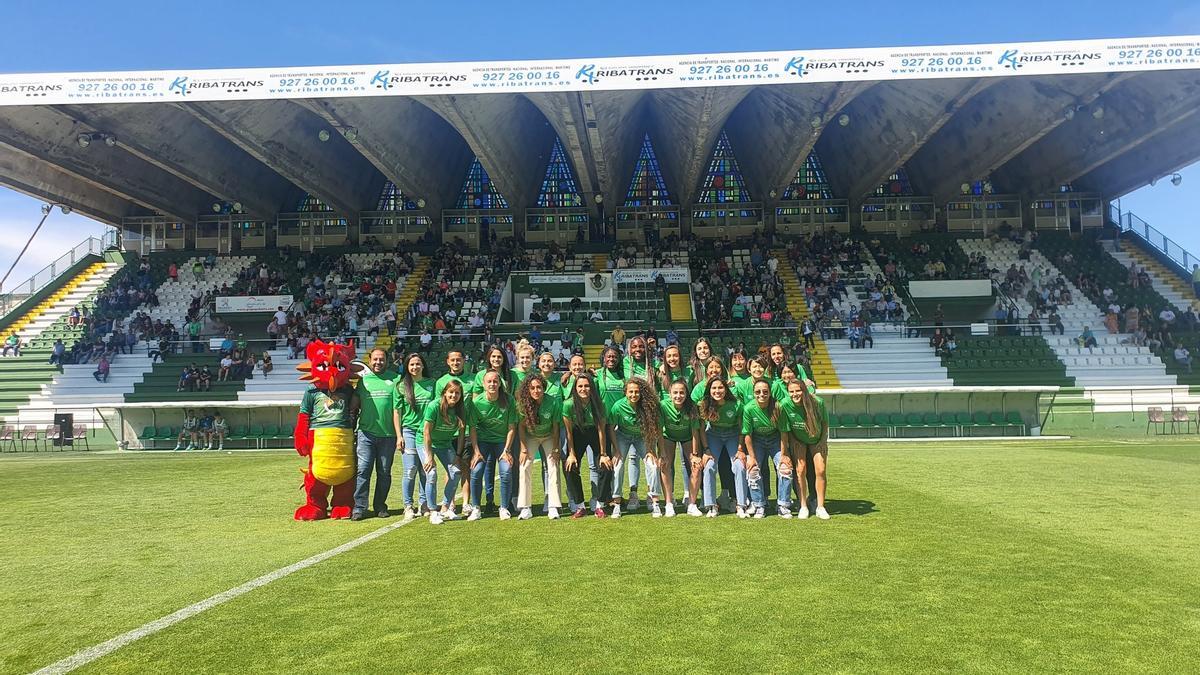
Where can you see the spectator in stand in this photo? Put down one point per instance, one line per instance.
(1056, 324)
(617, 338)
(247, 369)
(226, 366)
(204, 379)
(173, 272)
(12, 345)
(426, 341)
(190, 431)
(1086, 338)
(596, 316)
(187, 378)
(266, 366)
(198, 270)
(57, 352)
(193, 329)
(102, 369)
(220, 428)
(1183, 357)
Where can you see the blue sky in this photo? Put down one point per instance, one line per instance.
(71, 35)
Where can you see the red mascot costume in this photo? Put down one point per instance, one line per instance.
(325, 430)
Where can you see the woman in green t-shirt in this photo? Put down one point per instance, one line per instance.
(744, 388)
(584, 419)
(787, 373)
(492, 416)
(537, 431)
(672, 369)
(635, 423)
(414, 391)
(776, 357)
(807, 439)
(547, 365)
(445, 432)
(701, 354)
(714, 368)
(640, 362)
(737, 366)
(680, 426)
(494, 359)
(723, 441)
(761, 427)
(524, 362)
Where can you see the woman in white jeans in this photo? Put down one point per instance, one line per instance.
(537, 430)
(635, 422)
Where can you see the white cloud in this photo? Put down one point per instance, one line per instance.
(19, 214)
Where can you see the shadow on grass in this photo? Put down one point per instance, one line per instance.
(850, 507)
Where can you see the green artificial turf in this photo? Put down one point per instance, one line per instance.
(1024, 555)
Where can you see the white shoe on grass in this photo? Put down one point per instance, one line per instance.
(449, 514)
(526, 514)
(655, 510)
(712, 511)
(476, 514)
(553, 513)
(504, 514)
(435, 518)
(409, 514)
(785, 512)
(616, 511)
(693, 510)
(741, 512)
(822, 513)
(670, 511)
(760, 512)
(802, 514)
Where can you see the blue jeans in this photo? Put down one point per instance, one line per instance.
(723, 444)
(449, 462)
(769, 447)
(412, 469)
(483, 475)
(633, 451)
(374, 453)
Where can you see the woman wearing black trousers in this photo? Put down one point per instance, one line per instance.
(583, 418)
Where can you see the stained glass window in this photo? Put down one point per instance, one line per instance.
(647, 187)
(810, 181)
(392, 199)
(723, 184)
(558, 186)
(310, 203)
(896, 185)
(478, 191)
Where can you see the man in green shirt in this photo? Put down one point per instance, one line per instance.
(375, 442)
(456, 362)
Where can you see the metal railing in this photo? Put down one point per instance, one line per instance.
(47, 275)
(1174, 252)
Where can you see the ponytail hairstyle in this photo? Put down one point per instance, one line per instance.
(617, 371)
(505, 370)
(502, 395)
(772, 410)
(708, 405)
(689, 408)
(410, 396)
(444, 410)
(667, 377)
(529, 407)
(592, 403)
(646, 408)
(566, 377)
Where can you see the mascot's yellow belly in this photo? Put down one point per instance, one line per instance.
(333, 459)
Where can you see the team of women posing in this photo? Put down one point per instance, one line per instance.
(731, 425)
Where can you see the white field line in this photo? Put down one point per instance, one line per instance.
(104, 648)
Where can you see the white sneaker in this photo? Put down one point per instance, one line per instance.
(741, 512)
(785, 512)
(670, 512)
(553, 514)
(802, 514)
(504, 514)
(693, 510)
(449, 513)
(633, 503)
(220, 447)
(655, 510)
(712, 511)
(409, 514)
(616, 511)
(760, 512)
(526, 514)
(476, 514)
(723, 502)
(822, 513)
(435, 518)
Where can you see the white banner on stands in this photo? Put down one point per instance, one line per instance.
(252, 303)
(642, 72)
(673, 275)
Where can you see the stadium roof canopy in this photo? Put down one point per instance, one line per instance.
(1105, 116)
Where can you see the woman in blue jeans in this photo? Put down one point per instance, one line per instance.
(492, 416)
(414, 392)
(723, 414)
(762, 424)
(445, 435)
(635, 423)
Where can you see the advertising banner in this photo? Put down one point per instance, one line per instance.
(673, 275)
(619, 73)
(252, 303)
(963, 288)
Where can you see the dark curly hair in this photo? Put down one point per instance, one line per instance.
(646, 408)
(525, 403)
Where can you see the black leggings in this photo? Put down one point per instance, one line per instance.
(602, 486)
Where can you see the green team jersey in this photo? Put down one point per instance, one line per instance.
(622, 415)
(490, 421)
(637, 368)
(554, 390)
(467, 382)
(756, 422)
(509, 385)
(793, 417)
(518, 377)
(738, 378)
(375, 394)
(744, 390)
(677, 426)
(413, 417)
(779, 390)
(443, 432)
(698, 391)
(612, 388)
(327, 410)
(729, 416)
(568, 413)
(684, 374)
(549, 413)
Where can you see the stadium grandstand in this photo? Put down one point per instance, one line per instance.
(932, 232)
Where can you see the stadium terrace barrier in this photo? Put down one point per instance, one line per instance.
(1172, 252)
(66, 263)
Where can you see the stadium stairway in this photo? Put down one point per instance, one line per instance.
(823, 371)
(77, 392)
(60, 303)
(405, 298)
(1169, 285)
(1110, 362)
(681, 307)
(599, 262)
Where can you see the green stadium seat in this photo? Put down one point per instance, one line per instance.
(863, 421)
(980, 419)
